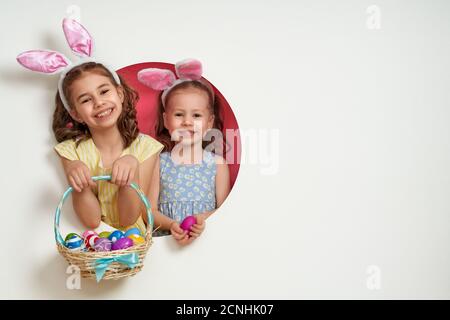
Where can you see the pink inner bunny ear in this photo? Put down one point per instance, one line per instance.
(157, 79)
(78, 38)
(189, 69)
(43, 61)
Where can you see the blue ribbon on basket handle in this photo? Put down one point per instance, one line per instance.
(131, 260)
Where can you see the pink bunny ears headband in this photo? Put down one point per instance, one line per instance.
(163, 79)
(52, 62)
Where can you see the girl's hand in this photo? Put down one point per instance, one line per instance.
(124, 170)
(79, 176)
(198, 228)
(180, 235)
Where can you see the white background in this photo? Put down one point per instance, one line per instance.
(364, 155)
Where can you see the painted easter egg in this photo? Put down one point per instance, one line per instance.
(188, 222)
(137, 239)
(75, 242)
(116, 235)
(103, 244)
(104, 234)
(90, 240)
(133, 231)
(71, 235)
(122, 243)
(88, 233)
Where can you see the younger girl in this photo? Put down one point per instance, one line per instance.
(187, 179)
(98, 135)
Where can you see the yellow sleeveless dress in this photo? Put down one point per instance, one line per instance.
(142, 148)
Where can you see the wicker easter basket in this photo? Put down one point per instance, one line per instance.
(111, 264)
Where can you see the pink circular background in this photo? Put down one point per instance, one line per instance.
(148, 104)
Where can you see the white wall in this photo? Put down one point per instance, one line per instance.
(364, 153)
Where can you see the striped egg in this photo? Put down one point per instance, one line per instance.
(137, 239)
(71, 235)
(75, 242)
(90, 240)
(116, 235)
(88, 233)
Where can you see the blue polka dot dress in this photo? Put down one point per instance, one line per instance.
(186, 189)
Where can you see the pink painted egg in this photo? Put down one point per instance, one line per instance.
(187, 223)
(88, 233)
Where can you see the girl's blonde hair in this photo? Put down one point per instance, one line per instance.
(64, 127)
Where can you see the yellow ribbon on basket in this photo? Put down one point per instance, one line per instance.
(131, 260)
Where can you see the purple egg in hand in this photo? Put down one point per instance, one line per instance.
(122, 243)
(187, 223)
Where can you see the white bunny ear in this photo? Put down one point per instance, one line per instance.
(43, 61)
(157, 79)
(190, 69)
(78, 38)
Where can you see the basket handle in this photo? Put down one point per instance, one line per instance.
(141, 195)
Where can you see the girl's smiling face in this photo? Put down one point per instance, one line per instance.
(96, 101)
(188, 115)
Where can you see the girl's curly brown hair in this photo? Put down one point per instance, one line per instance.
(64, 127)
(163, 135)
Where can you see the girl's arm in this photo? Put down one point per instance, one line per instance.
(85, 202)
(128, 202)
(160, 221)
(222, 181)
